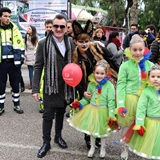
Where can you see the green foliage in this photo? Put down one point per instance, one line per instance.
(115, 8)
(149, 14)
(116, 12)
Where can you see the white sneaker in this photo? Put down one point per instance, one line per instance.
(102, 152)
(124, 155)
(91, 152)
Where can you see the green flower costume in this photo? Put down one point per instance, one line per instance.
(148, 116)
(93, 118)
(132, 78)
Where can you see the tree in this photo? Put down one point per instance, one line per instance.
(127, 14)
(149, 14)
(115, 10)
(123, 13)
(134, 12)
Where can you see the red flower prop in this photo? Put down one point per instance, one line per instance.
(110, 123)
(75, 104)
(141, 131)
(122, 110)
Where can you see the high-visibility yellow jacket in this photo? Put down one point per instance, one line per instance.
(11, 44)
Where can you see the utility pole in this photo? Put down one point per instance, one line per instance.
(70, 9)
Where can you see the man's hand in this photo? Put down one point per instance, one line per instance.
(36, 96)
(87, 94)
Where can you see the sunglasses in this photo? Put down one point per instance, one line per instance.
(59, 26)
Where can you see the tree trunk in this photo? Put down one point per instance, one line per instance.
(113, 14)
(134, 12)
(131, 13)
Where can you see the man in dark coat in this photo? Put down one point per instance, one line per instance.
(53, 53)
(134, 30)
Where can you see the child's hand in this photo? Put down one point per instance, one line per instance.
(141, 131)
(122, 111)
(75, 104)
(88, 94)
(110, 123)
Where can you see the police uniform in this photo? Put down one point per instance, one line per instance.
(11, 58)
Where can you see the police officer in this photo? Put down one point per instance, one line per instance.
(11, 58)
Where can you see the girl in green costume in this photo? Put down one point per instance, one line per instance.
(96, 115)
(131, 81)
(146, 137)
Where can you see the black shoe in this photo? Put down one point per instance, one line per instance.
(88, 143)
(87, 140)
(98, 143)
(1, 111)
(18, 109)
(60, 141)
(68, 115)
(41, 111)
(43, 150)
(22, 88)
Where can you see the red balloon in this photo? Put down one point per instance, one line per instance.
(72, 74)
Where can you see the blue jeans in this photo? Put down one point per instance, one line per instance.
(30, 69)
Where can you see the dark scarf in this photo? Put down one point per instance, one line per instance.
(116, 42)
(51, 69)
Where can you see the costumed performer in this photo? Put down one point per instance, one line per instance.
(146, 137)
(96, 115)
(131, 81)
(86, 54)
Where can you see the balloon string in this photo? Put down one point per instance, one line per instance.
(74, 93)
(74, 99)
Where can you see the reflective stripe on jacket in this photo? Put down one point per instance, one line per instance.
(12, 45)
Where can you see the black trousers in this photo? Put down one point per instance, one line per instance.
(7, 68)
(21, 81)
(48, 116)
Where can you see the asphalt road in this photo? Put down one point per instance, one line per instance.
(21, 135)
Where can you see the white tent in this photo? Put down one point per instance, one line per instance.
(81, 13)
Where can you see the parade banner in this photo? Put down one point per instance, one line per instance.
(35, 12)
